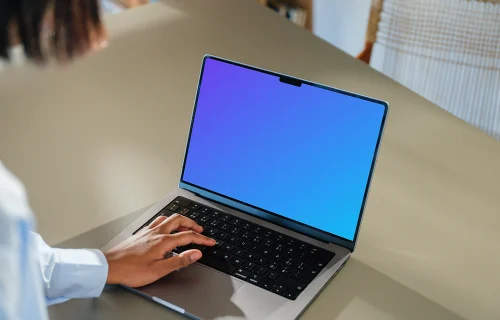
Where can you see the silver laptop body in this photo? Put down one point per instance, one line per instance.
(201, 292)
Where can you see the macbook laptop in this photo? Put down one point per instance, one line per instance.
(277, 170)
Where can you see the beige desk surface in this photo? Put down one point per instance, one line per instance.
(105, 136)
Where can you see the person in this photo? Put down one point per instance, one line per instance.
(32, 274)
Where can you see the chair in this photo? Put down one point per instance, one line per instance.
(448, 51)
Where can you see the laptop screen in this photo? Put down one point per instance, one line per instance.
(297, 150)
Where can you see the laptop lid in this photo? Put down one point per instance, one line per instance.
(295, 153)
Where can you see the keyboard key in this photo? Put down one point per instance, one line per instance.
(278, 288)
(320, 258)
(258, 230)
(262, 261)
(255, 279)
(249, 255)
(253, 247)
(218, 243)
(236, 261)
(234, 230)
(267, 253)
(277, 256)
(284, 270)
(210, 232)
(194, 207)
(236, 221)
(248, 265)
(310, 274)
(291, 284)
(279, 238)
(272, 265)
(242, 274)
(303, 247)
(232, 239)
(214, 223)
(182, 202)
(192, 215)
(226, 256)
(217, 264)
(266, 284)
(215, 214)
(290, 242)
(271, 275)
(213, 252)
(291, 295)
(183, 211)
(225, 217)
(205, 210)
(244, 244)
(302, 266)
(278, 247)
(228, 247)
(246, 235)
(204, 219)
(318, 264)
(269, 234)
(267, 243)
(172, 207)
(292, 262)
(239, 252)
(246, 226)
(225, 226)
(297, 275)
(221, 235)
(257, 239)
(260, 270)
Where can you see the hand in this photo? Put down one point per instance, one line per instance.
(140, 260)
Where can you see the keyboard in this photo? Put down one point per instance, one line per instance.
(250, 252)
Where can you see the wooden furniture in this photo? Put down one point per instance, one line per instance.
(105, 136)
(446, 50)
(305, 6)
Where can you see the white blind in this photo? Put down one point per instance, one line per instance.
(447, 51)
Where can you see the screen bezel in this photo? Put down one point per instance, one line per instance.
(268, 215)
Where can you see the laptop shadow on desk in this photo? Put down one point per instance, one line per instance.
(361, 292)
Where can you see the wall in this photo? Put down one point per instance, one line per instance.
(342, 23)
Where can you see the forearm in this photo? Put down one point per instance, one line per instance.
(71, 273)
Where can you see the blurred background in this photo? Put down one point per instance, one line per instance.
(448, 51)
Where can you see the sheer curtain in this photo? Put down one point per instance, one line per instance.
(447, 51)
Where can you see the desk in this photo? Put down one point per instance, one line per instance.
(106, 136)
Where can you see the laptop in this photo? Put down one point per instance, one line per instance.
(277, 170)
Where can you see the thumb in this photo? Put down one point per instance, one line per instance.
(179, 261)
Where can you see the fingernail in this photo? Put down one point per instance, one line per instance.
(195, 256)
(213, 240)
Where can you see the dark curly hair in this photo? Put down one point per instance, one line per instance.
(74, 27)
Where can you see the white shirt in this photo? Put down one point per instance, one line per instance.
(32, 274)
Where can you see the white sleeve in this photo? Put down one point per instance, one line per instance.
(21, 295)
(70, 273)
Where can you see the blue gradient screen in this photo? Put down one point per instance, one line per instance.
(304, 153)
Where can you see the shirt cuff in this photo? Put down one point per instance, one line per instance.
(79, 273)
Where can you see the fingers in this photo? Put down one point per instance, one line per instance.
(156, 222)
(184, 238)
(176, 221)
(182, 260)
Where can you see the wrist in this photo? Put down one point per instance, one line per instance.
(113, 276)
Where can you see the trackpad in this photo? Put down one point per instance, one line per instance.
(199, 290)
